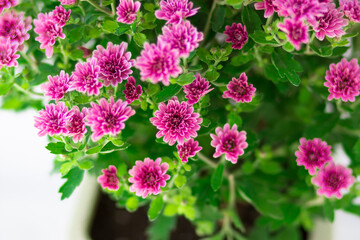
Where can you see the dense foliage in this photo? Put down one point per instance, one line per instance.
(290, 103)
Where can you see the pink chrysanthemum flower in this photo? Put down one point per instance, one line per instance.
(108, 118)
(115, 63)
(174, 11)
(127, 10)
(313, 154)
(239, 90)
(148, 176)
(109, 179)
(351, 9)
(296, 32)
(237, 35)
(48, 32)
(15, 27)
(184, 37)
(132, 92)
(268, 6)
(57, 86)
(86, 77)
(300, 9)
(343, 80)
(333, 179)
(230, 142)
(7, 4)
(60, 15)
(197, 89)
(53, 119)
(76, 124)
(68, 2)
(8, 51)
(158, 62)
(330, 24)
(188, 149)
(176, 121)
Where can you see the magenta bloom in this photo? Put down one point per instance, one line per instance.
(239, 90)
(351, 9)
(183, 36)
(109, 179)
(132, 92)
(115, 63)
(76, 124)
(48, 32)
(296, 32)
(15, 27)
(230, 142)
(86, 77)
(148, 176)
(60, 15)
(266, 5)
(176, 121)
(330, 24)
(8, 51)
(332, 179)
(313, 154)
(53, 119)
(174, 11)
(68, 2)
(300, 9)
(108, 118)
(237, 35)
(188, 149)
(158, 62)
(57, 86)
(127, 10)
(197, 89)
(7, 4)
(343, 80)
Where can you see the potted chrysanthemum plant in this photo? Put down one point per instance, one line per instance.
(225, 112)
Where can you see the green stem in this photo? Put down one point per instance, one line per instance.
(208, 21)
(65, 57)
(100, 8)
(206, 160)
(36, 10)
(82, 9)
(113, 9)
(232, 196)
(31, 62)
(28, 92)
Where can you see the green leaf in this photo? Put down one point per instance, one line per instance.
(270, 167)
(110, 147)
(170, 209)
(234, 118)
(218, 19)
(212, 75)
(149, 7)
(329, 210)
(5, 88)
(110, 26)
(66, 167)
(74, 178)
(323, 123)
(132, 203)
(122, 29)
(155, 208)
(161, 228)
(139, 39)
(235, 3)
(286, 66)
(180, 181)
(217, 177)
(56, 148)
(94, 150)
(261, 37)
(250, 19)
(236, 220)
(185, 79)
(75, 34)
(167, 93)
(321, 48)
(85, 164)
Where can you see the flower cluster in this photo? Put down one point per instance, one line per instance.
(13, 32)
(127, 10)
(109, 179)
(239, 90)
(49, 27)
(7, 4)
(332, 179)
(343, 80)
(158, 62)
(197, 89)
(57, 86)
(237, 35)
